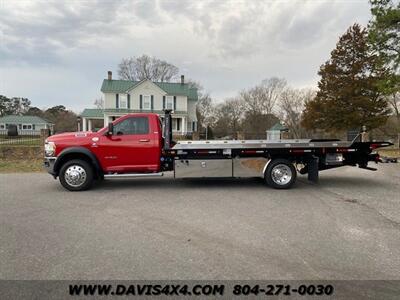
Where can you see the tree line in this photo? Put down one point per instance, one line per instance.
(359, 85)
(63, 119)
(252, 111)
(255, 110)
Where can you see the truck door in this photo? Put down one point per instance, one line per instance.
(131, 148)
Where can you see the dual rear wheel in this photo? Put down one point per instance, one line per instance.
(280, 174)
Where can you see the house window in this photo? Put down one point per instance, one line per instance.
(176, 124)
(169, 102)
(27, 126)
(2, 126)
(147, 102)
(123, 101)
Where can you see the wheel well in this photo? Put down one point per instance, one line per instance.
(77, 155)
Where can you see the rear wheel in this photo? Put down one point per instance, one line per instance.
(280, 174)
(76, 175)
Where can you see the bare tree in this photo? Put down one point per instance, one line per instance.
(99, 103)
(259, 105)
(147, 67)
(206, 113)
(14, 105)
(394, 102)
(230, 114)
(262, 98)
(291, 106)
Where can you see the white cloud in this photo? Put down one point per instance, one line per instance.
(67, 47)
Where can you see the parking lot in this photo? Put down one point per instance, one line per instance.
(346, 227)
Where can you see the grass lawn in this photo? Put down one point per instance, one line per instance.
(12, 166)
(389, 152)
(21, 142)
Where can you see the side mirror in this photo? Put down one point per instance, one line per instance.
(110, 130)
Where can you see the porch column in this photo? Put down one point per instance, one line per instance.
(83, 124)
(89, 124)
(106, 120)
(183, 121)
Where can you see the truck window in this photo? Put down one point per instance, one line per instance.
(134, 125)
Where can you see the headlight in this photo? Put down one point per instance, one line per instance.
(49, 148)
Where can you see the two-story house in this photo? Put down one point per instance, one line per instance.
(125, 96)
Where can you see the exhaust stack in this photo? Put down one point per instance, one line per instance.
(167, 129)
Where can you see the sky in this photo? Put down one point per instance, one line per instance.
(58, 52)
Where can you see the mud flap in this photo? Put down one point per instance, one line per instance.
(313, 169)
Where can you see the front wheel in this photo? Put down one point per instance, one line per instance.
(280, 174)
(76, 175)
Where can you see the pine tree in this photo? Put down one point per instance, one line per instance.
(348, 96)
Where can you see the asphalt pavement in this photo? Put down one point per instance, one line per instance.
(345, 227)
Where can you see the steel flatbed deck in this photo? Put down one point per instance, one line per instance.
(260, 144)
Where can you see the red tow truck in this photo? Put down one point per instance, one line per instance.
(139, 145)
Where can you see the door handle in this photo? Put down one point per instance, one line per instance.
(144, 140)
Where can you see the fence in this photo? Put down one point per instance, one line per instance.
(26, 138)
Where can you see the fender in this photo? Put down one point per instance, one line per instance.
(77, 150)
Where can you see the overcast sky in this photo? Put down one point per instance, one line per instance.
(59, 52)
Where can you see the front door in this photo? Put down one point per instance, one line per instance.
(131, 148)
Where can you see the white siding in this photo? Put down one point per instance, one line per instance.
(109, 100)
(147, 88)
(192, 110)
(21, 131)
(181, 103)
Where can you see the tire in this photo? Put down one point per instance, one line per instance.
(280, 174)
(76, 175)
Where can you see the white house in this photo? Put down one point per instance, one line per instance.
(25, 124)
(125, 96)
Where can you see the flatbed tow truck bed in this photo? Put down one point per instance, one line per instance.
(113, 153)
(259, 144)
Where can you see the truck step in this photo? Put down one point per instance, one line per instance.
(132, 175)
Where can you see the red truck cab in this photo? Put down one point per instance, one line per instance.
(134, 145)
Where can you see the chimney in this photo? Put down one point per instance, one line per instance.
(109, 75)
(182, 79)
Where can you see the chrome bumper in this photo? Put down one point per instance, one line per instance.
(48, 164)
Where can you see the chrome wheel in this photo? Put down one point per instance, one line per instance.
(75, 175)
(281, 174)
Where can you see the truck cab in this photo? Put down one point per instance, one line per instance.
(130, 144)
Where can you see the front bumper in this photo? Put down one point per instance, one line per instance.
(48, 164)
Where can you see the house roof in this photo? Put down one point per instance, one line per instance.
(99, 113)
(15, 119)
(277, 127)
(92, 113)
(171, 88)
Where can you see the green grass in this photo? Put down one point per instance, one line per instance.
(18, 166)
